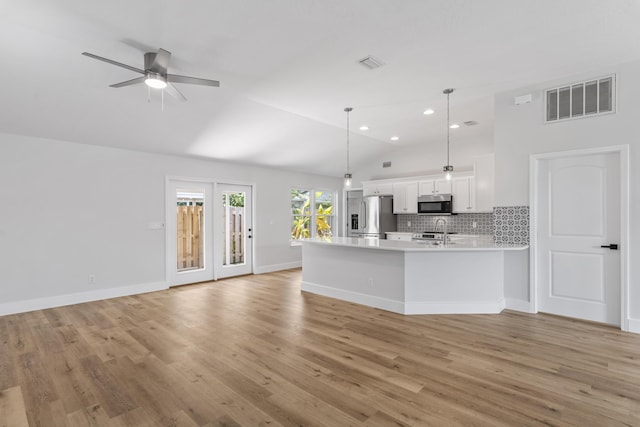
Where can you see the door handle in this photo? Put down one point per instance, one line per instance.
(613, 246)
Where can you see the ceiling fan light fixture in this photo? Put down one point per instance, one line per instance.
(155, 80)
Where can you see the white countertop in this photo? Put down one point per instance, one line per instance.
(478, 243)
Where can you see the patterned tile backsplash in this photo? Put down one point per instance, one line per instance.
(507, 224)
(511, 224)
(462, 223)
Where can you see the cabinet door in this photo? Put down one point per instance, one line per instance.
(485, 183)
(385, 189)
(369, 189)
(426, 188)
(411, 198)
(399, 198)
(464, 194)
(442, 186)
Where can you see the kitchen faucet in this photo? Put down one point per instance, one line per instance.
(444, 227)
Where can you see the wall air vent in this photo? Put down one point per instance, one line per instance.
(386, 164)
(580, 99)
(371, 62)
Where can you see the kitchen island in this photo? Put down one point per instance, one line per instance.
(463, 276)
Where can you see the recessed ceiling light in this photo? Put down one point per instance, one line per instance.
(454, 126)
(394, 138)
(428, 111)
(364, 127)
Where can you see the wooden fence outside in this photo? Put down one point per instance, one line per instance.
(190, 223)
(190, 241)
(234, 235)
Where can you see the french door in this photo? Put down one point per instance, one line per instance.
(234, 230)
(189, 232)
(579, 233)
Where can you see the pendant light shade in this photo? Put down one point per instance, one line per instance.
(448, 168)
(347, 175)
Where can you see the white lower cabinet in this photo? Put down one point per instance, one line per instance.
(464, 194)
(405, 198)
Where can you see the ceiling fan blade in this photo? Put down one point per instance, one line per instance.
(173, 91)
(129, 82)
(174, 78)
(112, 62)
(161, 61)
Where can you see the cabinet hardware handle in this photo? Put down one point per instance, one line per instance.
(613, 246)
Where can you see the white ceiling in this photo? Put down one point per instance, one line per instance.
(289, 67)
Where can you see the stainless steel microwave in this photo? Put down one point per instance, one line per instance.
(441, 204)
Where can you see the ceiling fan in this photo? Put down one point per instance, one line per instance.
(155, 73)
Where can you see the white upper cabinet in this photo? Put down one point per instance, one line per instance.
(483, 167)
(373, 188)
(464, 194)
(405, 197)
(434, 187)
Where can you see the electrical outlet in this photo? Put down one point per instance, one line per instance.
(92, 279)
(370, 281)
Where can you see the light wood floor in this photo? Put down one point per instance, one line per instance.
(254, 351)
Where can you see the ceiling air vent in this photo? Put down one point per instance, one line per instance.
(470, 123)
(386, 164)
(582, 99)
(371, 62)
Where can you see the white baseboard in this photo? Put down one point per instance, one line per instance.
(277, 267)
(78, 298)
(457, 307)
(634, 325)
(401, 307)
(518, 305)
(358, 298)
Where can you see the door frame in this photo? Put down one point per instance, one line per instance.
(215, 228)
(534, 185)
(217, 257)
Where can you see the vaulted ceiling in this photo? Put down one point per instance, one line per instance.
(288, 68)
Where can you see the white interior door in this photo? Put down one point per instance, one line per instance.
(189, 232)
(234, 235)
(578, 205)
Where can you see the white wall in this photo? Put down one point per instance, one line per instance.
(520, 131)
(425, 160)
(69, 210)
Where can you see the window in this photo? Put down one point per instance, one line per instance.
(580, 99)
(303, 216)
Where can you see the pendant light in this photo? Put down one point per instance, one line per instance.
(347, 176)
(448, 168)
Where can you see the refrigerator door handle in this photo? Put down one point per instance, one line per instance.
(363, 210)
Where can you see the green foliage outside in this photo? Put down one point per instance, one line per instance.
(235, 199)
(300, 208)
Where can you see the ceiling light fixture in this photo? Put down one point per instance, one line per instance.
(428, 111)
(394, 138)
(448, 168)
(155, 80)
(454, 126)
(347, 176)
(364, 127)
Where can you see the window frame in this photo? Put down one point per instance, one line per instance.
(312, 214)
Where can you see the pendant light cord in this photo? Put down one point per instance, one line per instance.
(348, 110)
(448, 128)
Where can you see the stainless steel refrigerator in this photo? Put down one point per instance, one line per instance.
(370, 216)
